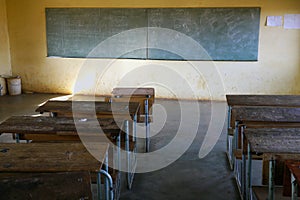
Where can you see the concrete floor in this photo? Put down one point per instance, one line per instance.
(188, 178)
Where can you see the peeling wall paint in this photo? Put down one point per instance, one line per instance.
(276, 71)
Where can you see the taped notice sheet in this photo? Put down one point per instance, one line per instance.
(292, 21)
(274, 21)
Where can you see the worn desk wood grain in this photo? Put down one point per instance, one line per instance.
(274, 140)
(264, 100)
(274, 144)
(90, 109)
(61, 129)
(122, 94)
(52, 157)
(48, 186)
(264, 113)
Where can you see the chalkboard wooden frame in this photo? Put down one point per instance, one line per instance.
(222, 34)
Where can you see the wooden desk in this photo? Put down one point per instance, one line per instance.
(49, 129)
(54, 157)
(46, 186)
(91, 109)
(267, 114)
(264, 113)
(271, 142)
(135, 95)
(238, 169)
(263, 100)
(60, 129)
(145, 96)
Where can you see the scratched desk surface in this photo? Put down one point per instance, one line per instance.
(89, 108)
(54, 125)
(264, 113)
(264, 100)
(51, 157)
(274, 140)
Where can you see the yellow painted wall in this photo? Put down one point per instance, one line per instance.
(5, 66)
(276, 71)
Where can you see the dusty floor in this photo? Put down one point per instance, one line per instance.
(189, 177)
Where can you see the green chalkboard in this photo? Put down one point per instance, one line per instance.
(167, 33)
(76, 32)
(224, 33)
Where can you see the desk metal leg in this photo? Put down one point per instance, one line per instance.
(17, 138)
(228, 126)
(134, 127)
(130, 166)
(243, 170)
(229, 139)
(110, 192)
(294, 187)
(244, 176)
(249, 172)
(99, 186)
(234, 145)
(271, 179)
(147, 126)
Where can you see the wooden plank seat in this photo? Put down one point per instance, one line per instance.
(48, 186)
(274, 143)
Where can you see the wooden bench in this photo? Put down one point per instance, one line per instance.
(56, 158)
(48, 186)
(273, 143)
(144, 96)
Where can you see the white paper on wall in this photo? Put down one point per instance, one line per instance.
(274, 20)
(292, 21)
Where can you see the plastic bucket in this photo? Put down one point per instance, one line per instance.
(3, 90)
(14, 85)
